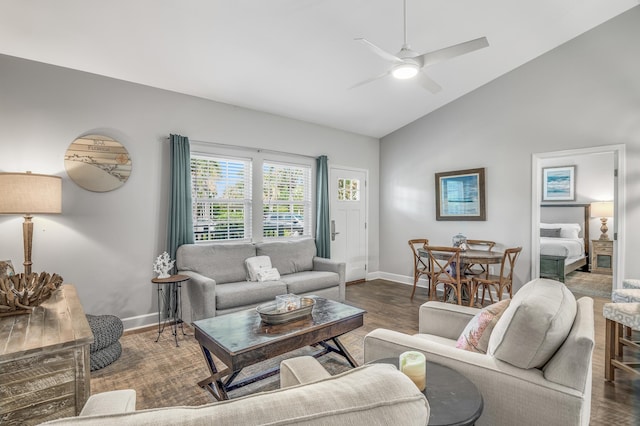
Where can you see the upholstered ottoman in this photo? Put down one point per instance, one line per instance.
(626, 295)
(105, 348)
(619, 315)
(630, 283)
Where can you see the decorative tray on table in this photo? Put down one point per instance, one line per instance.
(270, 314)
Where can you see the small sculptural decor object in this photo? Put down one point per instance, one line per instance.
(163, 265)
(20, 293)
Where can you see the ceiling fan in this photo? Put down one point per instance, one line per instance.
(408, 64)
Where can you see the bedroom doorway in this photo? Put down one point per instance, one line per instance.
(599, 176)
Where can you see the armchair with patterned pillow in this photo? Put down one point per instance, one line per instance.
(530, 357)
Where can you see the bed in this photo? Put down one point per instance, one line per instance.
(564, 239)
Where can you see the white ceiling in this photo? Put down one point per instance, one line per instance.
(295, 58)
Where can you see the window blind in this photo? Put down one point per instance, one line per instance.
(221, 192)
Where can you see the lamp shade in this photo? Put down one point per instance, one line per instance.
(602, 209)
(28, 193)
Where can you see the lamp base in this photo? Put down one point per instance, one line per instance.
(27, 237)
(604, 229)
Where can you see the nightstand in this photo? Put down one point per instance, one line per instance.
(602, 257)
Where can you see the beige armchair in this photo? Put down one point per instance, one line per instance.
(537, 369)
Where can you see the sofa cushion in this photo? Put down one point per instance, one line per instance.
(534, 325)
(232, 295)
(310, 281)
(376, 394)
(223, 262)
(289, 256)
(475, 336)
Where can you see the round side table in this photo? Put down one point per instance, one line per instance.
(453, 399)
(169, 302)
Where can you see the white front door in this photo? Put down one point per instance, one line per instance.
(348, 205)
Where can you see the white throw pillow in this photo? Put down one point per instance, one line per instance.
(536, 323)
(256, 264)
(270, 274)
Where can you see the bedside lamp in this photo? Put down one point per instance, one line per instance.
(603, 210)
(28, 193)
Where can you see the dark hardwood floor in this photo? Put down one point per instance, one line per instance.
(164, 375)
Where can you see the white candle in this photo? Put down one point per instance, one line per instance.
(413, 364)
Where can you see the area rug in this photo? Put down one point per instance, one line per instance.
(165, 375)
(585, 283)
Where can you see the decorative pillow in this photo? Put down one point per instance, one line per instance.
(550, 232)
(270, 274)
(475, 337)
(537, 321)
(256, 264)
(6, 269)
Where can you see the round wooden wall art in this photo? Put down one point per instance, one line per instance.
(97, 163)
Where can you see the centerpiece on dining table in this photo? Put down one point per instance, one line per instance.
(287, 307)
(459, 241)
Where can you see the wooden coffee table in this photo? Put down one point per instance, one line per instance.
(241, 339)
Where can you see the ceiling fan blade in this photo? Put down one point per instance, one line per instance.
(378, 51)
(369, 80)
(426, 82)
(453, 51)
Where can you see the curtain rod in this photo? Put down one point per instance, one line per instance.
(248, 148)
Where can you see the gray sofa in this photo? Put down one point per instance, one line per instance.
(370, 395)
(218, 277)
(537, 369)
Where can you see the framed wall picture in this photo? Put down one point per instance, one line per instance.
(460, 195)
(559, 183)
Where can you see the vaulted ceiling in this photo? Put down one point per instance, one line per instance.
(296, 58)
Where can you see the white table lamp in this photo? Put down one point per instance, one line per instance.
(28, 193)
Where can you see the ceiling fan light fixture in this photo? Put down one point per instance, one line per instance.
(405, 71)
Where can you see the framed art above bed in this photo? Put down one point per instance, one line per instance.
(564, 239)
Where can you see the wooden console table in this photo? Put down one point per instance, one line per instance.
(44, 361)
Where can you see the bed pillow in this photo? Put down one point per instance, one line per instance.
(567, 230)
(475, 336)
(550, 232)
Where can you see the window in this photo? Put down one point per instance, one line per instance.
(348, 189)
(221, 196)
(286, 200)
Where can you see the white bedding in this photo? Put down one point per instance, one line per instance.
(570, 248)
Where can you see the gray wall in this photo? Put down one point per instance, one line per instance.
(105, 243)
(582, 94)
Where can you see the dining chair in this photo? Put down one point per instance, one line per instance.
(476, 268)
(444, 263)
(501, 282)
(420, 265)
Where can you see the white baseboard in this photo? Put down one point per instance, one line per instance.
(140, 321)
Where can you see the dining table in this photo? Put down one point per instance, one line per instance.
(469, 257)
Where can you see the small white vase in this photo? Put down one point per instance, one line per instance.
(163, 274)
